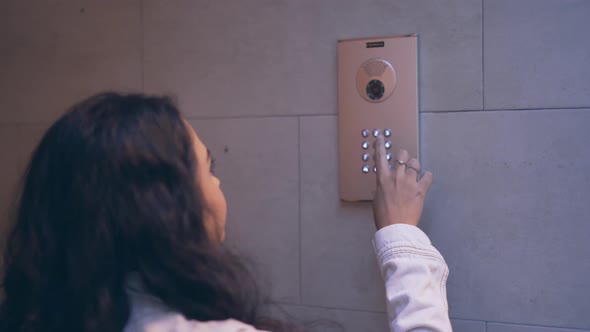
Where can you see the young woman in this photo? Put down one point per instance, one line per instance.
(120, 222)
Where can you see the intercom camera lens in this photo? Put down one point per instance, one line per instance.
(375, 89)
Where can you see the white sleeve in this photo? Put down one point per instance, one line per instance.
(415, 276)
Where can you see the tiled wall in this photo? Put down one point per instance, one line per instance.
(505, 102)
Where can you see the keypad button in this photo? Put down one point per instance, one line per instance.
(387, 132)
(388, 144)
(388, 155)
(365, 145)
(366, 156)
(366, 169)
(365, 133)
(375, 132)
(375, 169)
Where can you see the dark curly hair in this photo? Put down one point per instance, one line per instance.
(111, 191)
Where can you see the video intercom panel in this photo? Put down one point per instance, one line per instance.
(377, 95)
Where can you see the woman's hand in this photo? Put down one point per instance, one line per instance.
(399, 197)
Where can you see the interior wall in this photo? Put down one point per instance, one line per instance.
(505, 106)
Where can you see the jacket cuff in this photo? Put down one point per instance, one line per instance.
(402, 240)
(407, 234)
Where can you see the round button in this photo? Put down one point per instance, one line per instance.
(366, 156)
(375, 169)
(388, 155)
(365, 133)
(375, 132)
(366, 169)
(365, 145)
(387, 132)
(388, 144)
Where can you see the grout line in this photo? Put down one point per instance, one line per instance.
(142, 51)
(196, 118)
(467, 320)
(508, 110)
(255, 116)
(483, 72)
(331, 308)
(523, 324)
(421, 112)
(299, 209)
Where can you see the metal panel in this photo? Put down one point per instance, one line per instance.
(388, 69)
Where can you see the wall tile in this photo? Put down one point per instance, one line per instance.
(509, 210)
(497, 327)
(339, 268)
(536, 53)
(257, 163)
(56, 52)
(279, 57)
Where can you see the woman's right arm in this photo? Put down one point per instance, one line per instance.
(415, 276)
(415, 273)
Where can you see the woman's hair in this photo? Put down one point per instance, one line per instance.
(111, 191)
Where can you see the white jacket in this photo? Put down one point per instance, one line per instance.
(414, 272)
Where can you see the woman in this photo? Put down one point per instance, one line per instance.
(120, 222)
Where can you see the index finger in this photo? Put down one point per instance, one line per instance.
(381, 159)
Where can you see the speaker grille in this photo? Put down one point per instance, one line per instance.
(375, 68)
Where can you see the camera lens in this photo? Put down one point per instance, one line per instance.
(375, 89)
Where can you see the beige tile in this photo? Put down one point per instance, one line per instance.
(256, 160)
(57, 52)
(229, 57)
(509, 211)
(536, 54)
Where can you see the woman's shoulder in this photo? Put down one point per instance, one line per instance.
(174, 322)
(149, 314)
